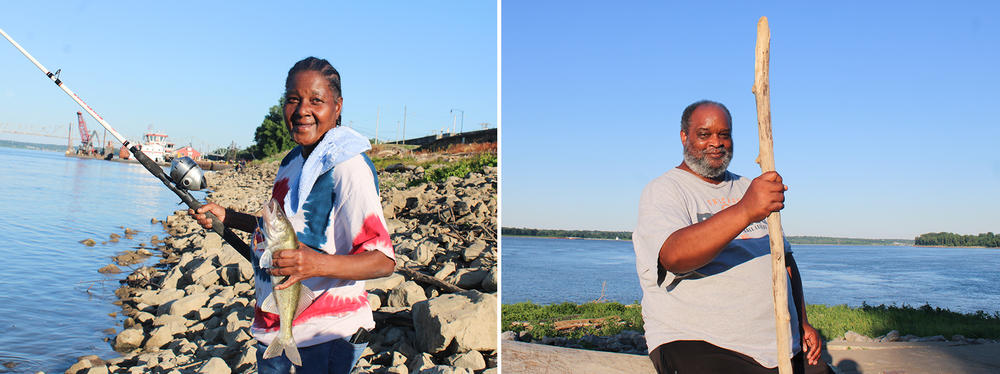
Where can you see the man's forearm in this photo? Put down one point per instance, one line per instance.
(694, 246)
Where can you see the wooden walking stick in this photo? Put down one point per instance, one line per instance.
(762, 92)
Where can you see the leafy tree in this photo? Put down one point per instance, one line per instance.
(272, 135)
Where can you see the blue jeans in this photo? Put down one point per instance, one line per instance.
(337, 356)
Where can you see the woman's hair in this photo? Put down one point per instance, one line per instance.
(323, 67)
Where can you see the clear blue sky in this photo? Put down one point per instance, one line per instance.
(885, 117)
(207, 72)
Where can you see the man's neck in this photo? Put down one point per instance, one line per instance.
(684, 166)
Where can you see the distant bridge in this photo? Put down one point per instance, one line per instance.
(45, 131)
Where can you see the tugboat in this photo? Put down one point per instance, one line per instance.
(156, 146)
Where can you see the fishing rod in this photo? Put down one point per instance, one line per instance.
(182, 169)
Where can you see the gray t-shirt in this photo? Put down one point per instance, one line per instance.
(729, 301)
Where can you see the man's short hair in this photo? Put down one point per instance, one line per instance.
(686, 116)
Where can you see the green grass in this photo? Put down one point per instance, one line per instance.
(831, 321)
(458, 169)
(834, 321)
(542, 318)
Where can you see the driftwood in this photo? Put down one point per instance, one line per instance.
(429, 280)
(762, 92)
(587, 322)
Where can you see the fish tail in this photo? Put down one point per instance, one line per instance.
(279, 346)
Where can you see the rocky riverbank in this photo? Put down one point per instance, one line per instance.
(191, 311)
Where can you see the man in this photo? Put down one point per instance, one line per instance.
(702, 254)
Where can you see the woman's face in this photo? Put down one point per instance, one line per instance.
(311, 107)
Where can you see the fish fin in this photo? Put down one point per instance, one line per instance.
(292, 352)
(306, 297)
(274, 349)
(265, 260)
(279, 346)
(270, 304)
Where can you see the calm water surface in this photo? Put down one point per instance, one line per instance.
(54, 305)
(960, 279)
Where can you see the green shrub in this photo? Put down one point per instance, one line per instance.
(458, 169)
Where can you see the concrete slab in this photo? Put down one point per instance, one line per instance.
(908, 358)
(847, 358)
(519, 357)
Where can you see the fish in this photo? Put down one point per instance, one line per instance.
(289, 302)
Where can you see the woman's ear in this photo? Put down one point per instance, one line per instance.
(339, 104)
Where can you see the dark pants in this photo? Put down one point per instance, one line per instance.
(688, 356)
(337, 356)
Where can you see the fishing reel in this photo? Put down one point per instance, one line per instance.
(187, 175)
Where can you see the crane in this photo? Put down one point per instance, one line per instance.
(86, 137)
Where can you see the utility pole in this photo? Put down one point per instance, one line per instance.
(453, 119)
(376, 124)
(404, 124)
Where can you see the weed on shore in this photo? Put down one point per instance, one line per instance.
(831, 321)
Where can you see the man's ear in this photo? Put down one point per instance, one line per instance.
(684, 137)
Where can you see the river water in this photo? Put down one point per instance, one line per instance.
(964, 280)
(54, 305)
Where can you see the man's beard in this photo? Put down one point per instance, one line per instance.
(702, 166)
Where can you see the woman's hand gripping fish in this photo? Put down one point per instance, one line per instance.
(289, 302)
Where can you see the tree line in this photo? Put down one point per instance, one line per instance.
(950, 239)
(551, 233)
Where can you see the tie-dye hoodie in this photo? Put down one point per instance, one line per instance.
(332, 201)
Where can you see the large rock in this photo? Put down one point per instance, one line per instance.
(84, 364)
(471, 359)
(424, 253)
(215, 365)
(129, 339)
(212, 242)
(420, 362)
(159, 297)
(852, 336)
(469, 278)
(447, 269)
(188, 304)
(99, 369)
(385, 283)
(406, 294)
(489, 283)
(163, 335)
(468, 319)
(472, 252)
(374, 301)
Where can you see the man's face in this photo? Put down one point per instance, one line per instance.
(708, 145)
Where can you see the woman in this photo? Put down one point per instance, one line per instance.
(329, 190)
